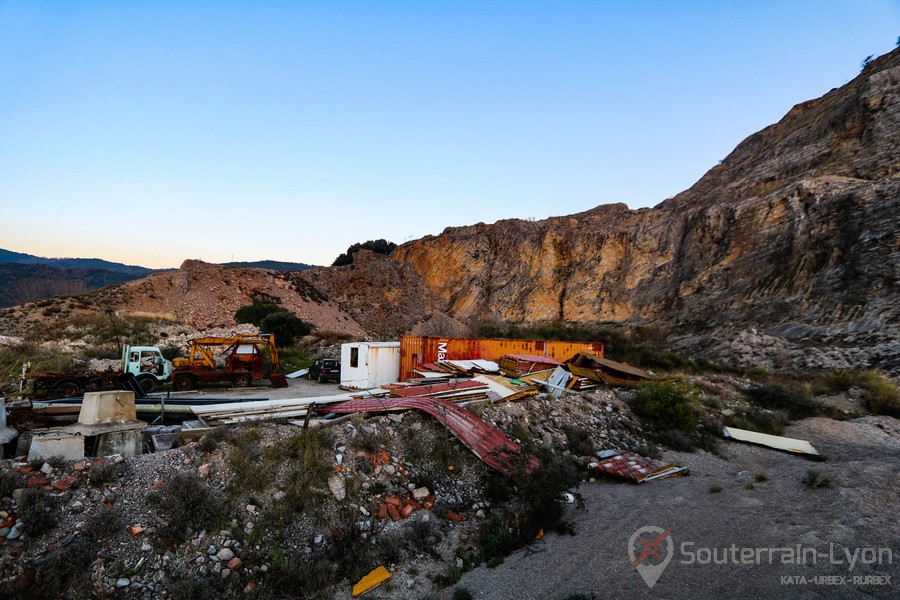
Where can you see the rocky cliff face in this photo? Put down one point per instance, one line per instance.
(785, 254)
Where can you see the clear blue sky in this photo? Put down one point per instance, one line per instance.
(151, 132)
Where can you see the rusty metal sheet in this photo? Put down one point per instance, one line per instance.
(514, 365)
(610, 364)
(488, 443)
(416, 350)
(437, 389)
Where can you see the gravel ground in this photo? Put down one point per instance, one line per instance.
(858, 510)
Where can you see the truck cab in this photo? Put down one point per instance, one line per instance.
(147, 364)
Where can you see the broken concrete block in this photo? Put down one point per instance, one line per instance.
(56, 443)
(107, 407)
(421, 493)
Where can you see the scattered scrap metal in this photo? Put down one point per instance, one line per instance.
(635, 467)
(772, 441)
(604, 370)
(488, 443)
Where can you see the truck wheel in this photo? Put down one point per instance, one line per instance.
(148, 384)
(241, 380)
(67, 389)
(183, 383)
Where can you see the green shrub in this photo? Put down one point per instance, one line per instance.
(107, 472)
(882, 395)
(293, 359)
(211, 440)
(838, 380)
(102, 524)
(462, 594)
(9, 482)
(760, 420)
(66, 570)
(815, 479)
(380, 246)
(171, 351)
(35, 511)
(495, 538)
(796, 402)
(579, 441)
(666, 407)
(255, 313)
(185, 501)
(286, 326)
(675, 439)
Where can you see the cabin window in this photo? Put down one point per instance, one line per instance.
(354, 357)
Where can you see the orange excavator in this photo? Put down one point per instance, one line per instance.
(240, 360)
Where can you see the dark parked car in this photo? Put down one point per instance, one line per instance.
(324, 369)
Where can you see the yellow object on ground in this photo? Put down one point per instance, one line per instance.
(373, 579)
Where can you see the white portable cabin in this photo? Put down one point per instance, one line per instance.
(366, 365)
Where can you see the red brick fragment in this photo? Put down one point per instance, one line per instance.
(407, 510)
(37, 482)
(392, 500)
(395, 514)
(452, 516)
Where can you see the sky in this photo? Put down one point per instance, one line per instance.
(153, 132)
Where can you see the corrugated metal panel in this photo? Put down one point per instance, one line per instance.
(415, 350)
(610, 364)
(772, 441)
(488, 443)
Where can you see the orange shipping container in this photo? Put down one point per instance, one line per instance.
(415, 350)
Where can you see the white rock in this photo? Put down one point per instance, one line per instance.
(337, 487)
(225, 554)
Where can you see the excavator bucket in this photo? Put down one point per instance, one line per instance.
(278, 380)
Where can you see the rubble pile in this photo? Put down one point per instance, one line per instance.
(390, 472)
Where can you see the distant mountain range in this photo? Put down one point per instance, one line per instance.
(26, 278)
(8, 256)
